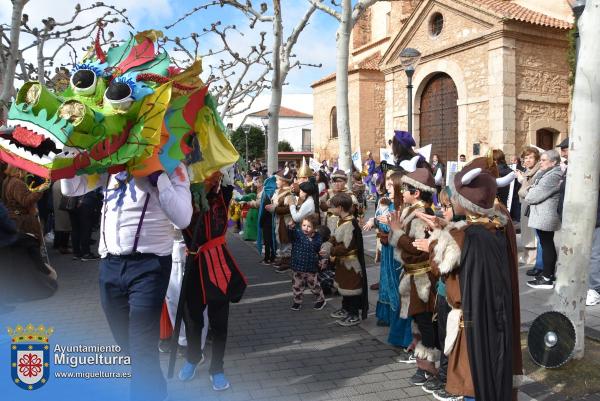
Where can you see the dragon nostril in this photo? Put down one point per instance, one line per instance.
(83, 79)
(118, 91)
(84, 82)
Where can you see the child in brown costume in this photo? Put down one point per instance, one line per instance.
(417, 284)
(475, 259)
(280, 207)
(345, 248)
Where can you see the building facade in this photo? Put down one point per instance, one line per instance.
(295, 127)
(493, 74)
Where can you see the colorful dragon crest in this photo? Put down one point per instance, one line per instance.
(126, 109)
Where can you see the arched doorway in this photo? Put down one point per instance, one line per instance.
(438, 121)
(544, 138)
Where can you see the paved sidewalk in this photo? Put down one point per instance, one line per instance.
(533, 302)
(273, 353)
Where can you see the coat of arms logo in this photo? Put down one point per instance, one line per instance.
(30, 355)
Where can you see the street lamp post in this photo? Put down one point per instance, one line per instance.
(409, 58)
(265, 122)
(246, 129)
(577, 6)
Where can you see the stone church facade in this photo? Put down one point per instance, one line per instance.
(493, 73)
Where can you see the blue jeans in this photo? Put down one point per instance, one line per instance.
(132, 291)
(595, 261)
(539, 262)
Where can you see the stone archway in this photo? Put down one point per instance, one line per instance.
(423, 75)
(438, 118)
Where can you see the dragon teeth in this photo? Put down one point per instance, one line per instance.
(38, 130)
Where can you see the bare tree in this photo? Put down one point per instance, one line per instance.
(583, 175)
(237, 79)
(347, 16)
(283, 59)
(10, 57)
(64, 34)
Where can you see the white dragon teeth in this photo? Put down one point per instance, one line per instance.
(26, 154)
(38, 130)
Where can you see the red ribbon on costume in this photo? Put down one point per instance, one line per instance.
(216, 265)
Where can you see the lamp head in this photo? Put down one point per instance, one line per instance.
(577, 6)
(409, 58)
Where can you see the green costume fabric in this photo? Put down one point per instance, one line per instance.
(126, 110)
(251, 222)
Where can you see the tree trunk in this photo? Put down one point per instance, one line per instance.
(341, 82)
(41, 71)
(276, 91)
(13, 57)
(581, 195)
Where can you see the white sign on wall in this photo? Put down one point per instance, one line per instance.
(356, 160)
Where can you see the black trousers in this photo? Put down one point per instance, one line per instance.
(82, 220)
(61, 239)
(426, 328)
(267, 234)
(548, 253)
(443, 309)
(218, 318)
(352, 303)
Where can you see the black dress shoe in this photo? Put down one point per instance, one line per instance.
(533, 272)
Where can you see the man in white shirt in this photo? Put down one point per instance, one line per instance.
(136, 240)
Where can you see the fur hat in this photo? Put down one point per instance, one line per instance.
(475, 186)
(475, 189)
(285, 175)
(339, 174)
(421, 179)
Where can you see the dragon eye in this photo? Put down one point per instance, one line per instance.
(118, 95)
(84, 81)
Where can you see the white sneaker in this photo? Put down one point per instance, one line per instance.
(593, 298)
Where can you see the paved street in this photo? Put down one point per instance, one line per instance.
(273, 353)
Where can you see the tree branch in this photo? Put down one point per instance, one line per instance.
(360, 8)
(319, 4)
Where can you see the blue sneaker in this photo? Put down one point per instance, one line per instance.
(219, 382)
(187, 372)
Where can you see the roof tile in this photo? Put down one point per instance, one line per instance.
(509, 10)
(283, 112)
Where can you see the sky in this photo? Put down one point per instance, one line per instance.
(316, 44)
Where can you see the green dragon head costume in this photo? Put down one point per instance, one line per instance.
(126, 110)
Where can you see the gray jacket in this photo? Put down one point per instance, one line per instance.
(543, 199)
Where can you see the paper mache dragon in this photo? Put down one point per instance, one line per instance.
(126, 109)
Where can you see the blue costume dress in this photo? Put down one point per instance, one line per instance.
(388, 304)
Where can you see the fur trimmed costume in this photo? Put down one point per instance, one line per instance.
(331, 220)
(484, 281)
(445, 253)
(417, 290)
(345, 249)
(417, 284)
(282, 199)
